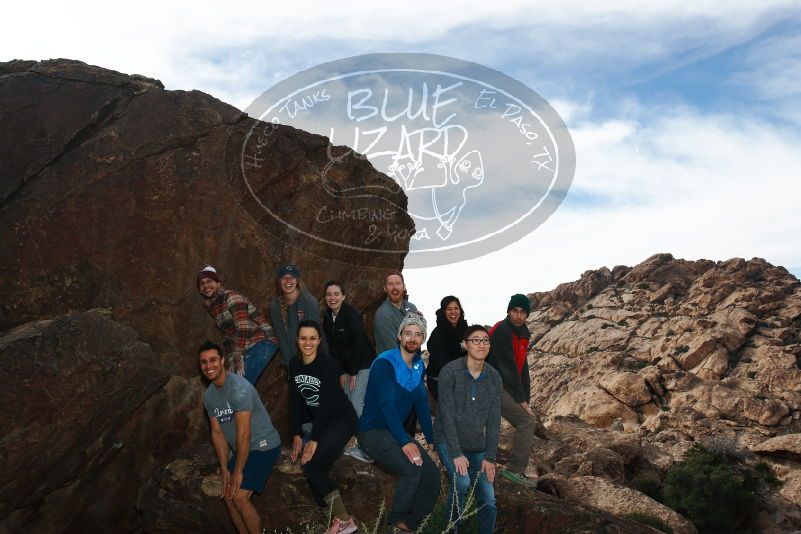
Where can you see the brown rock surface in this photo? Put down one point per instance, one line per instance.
(720, 338)
(117, 192)
(601, 494)
(113, 193)
(788, 446)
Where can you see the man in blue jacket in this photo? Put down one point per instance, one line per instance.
(395, 387)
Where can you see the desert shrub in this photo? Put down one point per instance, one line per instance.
(643, 285)
(589, 306)
(606, 325)
(766, 474)
(592, 349)
(680, 349)
(651, 521)
(650, 487)
(665, 408)
(710, 491)
(641, 364)
(792, 340)
(751, 374)
(623, 322)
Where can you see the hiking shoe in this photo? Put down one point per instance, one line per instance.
(342, 527)
(518, 478)
(358, 454)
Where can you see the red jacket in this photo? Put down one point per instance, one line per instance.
(508, 356)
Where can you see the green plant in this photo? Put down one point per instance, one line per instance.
(760, 396)
(751, 374)
(589, 306)
(651, 521)
(792, 340)
(710, 491)
(650, 487)
(665, 408)
(641, 364)
(681, 349)
(592, 349)
(643, 285)
(606, 325)
(623, 322)
(765, 473)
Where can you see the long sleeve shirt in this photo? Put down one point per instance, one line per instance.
(392, 391)
(387, 321)
(315, 395)
(468, 410)
(239, 322)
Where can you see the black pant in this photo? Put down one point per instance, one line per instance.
(333, 439)
(416, 488)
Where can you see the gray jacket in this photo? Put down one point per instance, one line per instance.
(305, 307)
(468, 411)
(387, 321)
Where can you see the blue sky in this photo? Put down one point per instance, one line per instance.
(686, 118)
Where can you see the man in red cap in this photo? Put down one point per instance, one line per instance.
(249, 340)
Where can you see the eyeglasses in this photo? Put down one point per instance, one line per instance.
(479, 341)
(412, 334)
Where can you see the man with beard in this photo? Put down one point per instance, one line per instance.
(509, 356)
(389, 315)
(241, 427)
(249, 340)
(395, 387)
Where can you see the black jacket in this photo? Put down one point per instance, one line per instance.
(444, 345)
(347, 340)
(509, 341)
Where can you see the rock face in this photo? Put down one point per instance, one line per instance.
(631, 344)
(70, 387)
(114, 192)
(182, 497)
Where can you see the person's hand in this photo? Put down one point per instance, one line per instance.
(527, 408)
(461, 464)
(225, 482)
(489, 469)
(233, 487)
(343, 380)
(297, 446)
(308, 451)
(352, 382)
(412, 452)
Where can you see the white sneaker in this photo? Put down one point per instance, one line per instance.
(358, 454)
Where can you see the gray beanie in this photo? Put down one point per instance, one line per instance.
(413, 318)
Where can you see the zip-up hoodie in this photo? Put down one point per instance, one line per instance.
(509, 356)
(392, 391)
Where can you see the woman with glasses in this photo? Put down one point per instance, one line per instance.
(445, 343)
(316, 396)
(466, 429)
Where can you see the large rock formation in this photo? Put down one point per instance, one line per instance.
(632, 366)
(114, 192)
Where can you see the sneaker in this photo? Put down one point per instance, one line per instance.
(358, 454)
(518, 478)
(342, 527)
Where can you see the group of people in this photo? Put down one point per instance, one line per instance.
(341, 387)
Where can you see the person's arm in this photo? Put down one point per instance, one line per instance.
(297, 406)
(504, 358)
(221, 451)
(437, 354)
(329, 380)
(424, 411)
(446, 412)
(240, 309)
(357, 350)
(385, 334)
(493, 428)
(242, 419)
(384, 375)
(280, 331)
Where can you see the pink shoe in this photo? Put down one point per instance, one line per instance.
(342, 527)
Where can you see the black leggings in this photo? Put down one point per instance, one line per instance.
(336, 435)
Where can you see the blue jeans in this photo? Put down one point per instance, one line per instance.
(256, 359)
(484, 492)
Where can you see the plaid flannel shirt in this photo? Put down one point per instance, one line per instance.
(241, 324)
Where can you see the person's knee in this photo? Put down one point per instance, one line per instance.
(462, 483)
(241, 500)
